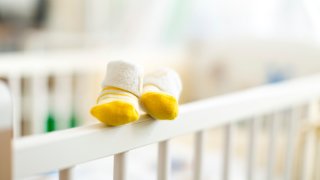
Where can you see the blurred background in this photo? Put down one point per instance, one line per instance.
(53, 55)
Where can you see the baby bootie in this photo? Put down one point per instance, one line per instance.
(161, 91)
(118, 102)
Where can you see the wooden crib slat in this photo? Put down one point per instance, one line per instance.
(65, 174)
(308, 163)
(62, 97)
(252, 143)
(223, 109)
(227, 158)
(120, 166)
(15, 87)
(39, 92)
(272, 143)
(317, 158)
(164, 161)
(291, 135)
(198, 155)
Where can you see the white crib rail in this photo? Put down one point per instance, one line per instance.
(73, 146)
(76, 76)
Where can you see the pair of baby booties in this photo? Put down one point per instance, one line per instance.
(126, 92)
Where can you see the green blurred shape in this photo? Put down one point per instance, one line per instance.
(51, 123)
(73, 121)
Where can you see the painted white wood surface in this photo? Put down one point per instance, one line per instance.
(77, 60)
(120, 166)
(198, 155)
(5, 107)
(62, 100)
(164, 164)
(274, 124)
(295, 116)
(308, 166)
(39, 101)
(83, 144)
(254, 124)
(15, 89)
(227, 151)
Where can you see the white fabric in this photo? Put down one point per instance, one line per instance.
(166, 80)
(5, 107)
(124, 75)
(110, 95)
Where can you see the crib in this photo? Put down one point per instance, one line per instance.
(298, 99)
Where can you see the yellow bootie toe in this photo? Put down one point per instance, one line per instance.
(160, 105)
(161, 92)
(118, 102)
(115, 113)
